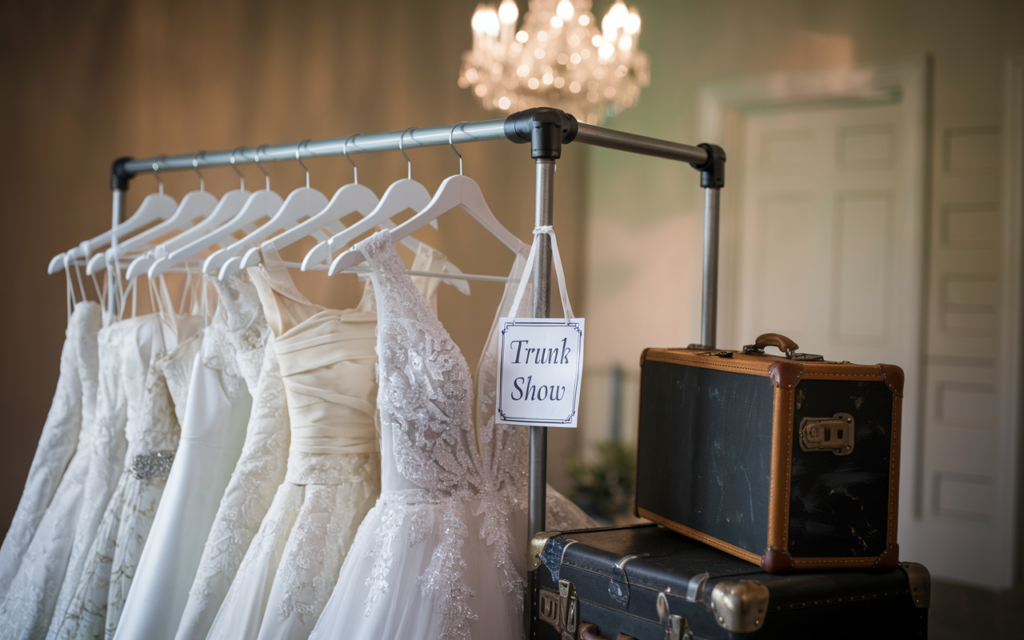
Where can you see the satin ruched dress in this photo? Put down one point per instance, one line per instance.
(327, 362)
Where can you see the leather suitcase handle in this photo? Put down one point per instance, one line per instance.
(590, 631)
(777, 340)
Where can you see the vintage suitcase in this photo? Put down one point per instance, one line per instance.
(649, 583)
(790, 462)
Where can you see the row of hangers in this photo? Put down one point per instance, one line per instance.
(203, 222)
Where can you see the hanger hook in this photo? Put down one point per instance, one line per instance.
(298, 159)
(401, 147)
(156, 173)
(452, 144)
(260, 166)
(195, 165)
(344, 152)
(240, 176)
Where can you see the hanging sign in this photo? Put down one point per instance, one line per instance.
(540, 362)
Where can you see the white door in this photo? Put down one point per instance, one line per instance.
(824, 244)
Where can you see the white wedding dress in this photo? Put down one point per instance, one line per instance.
(126, 349)
(212, 433)
(327, 360)
(35, 551)
(436, 557)
(152, 437)
(250, 491)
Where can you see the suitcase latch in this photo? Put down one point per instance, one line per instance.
(835, 434)
(560, 609)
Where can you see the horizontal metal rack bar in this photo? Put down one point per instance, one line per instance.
(412, 139)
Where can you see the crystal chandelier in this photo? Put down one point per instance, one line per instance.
(558, 58)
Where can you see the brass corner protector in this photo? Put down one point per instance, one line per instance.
(537, 544)
(920, 583)
(739, 606)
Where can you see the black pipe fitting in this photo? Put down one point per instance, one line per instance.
(712, 170)
(546, 130)
(119, 176)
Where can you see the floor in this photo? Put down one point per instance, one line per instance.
(965, 613)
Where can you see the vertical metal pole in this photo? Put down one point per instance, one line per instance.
(544, 212)
(709, 317)
(116, 218)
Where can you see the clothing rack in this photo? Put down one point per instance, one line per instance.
(546, 130)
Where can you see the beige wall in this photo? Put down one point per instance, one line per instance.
(84, 82)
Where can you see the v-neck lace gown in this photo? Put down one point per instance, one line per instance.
(436, 557)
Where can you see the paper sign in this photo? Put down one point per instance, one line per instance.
(540, 369)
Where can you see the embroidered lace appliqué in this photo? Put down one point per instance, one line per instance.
(426, 398)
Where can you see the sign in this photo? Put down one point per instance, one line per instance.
(540, 369)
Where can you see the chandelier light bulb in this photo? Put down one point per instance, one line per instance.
(619, 13)
(478, 20)
(632, 24)
(508, 12)
(565, 10)
(584, 20)
(491, 24)
(556, 22)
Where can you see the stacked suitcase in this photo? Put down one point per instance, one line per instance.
(773, 484)
(650, 583)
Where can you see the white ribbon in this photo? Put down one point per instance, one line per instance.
(556, 259)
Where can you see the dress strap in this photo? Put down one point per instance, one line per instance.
(283, 304)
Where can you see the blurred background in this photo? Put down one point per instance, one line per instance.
(872, 210)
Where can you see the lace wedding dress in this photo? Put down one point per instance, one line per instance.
(63, 440)
(212, 433)
(327, 360)
(33, 595)
(152, 438)
(35, 552)
(436, 557)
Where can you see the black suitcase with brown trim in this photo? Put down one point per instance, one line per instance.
(649, 583)
(788, 461)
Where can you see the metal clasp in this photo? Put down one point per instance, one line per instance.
(568, 610)
(678, 629)
(560, 609)
(835, 434)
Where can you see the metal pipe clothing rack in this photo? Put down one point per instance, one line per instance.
(546, 131)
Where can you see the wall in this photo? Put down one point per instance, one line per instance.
(85, 82)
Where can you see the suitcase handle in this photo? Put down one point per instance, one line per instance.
(777, 340)
(590, 631)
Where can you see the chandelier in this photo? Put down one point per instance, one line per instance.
(558, 58)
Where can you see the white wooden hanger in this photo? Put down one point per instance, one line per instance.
(261, 204)
(401, 195)
(228, 207)
(208, 232)
(196, 205)
(302, 203)
(155, 207)
(455, 191)
(348, 199)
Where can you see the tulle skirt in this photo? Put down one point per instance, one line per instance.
(423, 570)
(292, 564)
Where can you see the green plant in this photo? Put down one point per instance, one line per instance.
(604, 487)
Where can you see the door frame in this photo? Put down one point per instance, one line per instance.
(902, 81)
(1009, 360)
